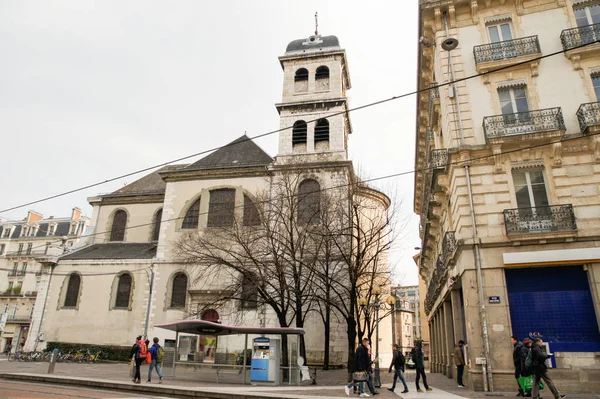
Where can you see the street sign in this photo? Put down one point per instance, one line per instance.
(494, 299)
(480, 360)
(3, 318)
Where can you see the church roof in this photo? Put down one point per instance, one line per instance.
(114, 250)
(313, 44)
(241, 152)
(147, 185)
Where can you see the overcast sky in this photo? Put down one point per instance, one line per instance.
(92, 90)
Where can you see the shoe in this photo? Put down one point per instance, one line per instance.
(374, 393)
(149, 382)
(138, 382)
(405, 391)
(347, 391)
(429, 389)
(391, 389)
(520, 395)
(563, 396)
(160, 380)
(365, 395)
(420, 390)
(461, 386)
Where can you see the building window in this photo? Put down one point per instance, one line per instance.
(251, 215)
(14, 270)
(530, 189)
(20, 250)
(117, 230)
(5, 306)
(596, 83)
(587, 15)
(6, 232)
(123, 292)
(249, 298)
(221, 207)
(190, 221)
(513, 100)
(321, 131)
(179, 291)
(210, 315)
(299, 131)
(157, 221)
(301, 81)
(322, 78)
(2, 249)
(499, 32)
(72, 294)
(309, 202)
(23, 269)
(51, 230)
(29, 247)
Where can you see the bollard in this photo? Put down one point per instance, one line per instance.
(53, 359)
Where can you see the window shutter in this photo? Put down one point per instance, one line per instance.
(72, 290)
(123, 291)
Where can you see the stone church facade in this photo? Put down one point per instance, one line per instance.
(128, 279)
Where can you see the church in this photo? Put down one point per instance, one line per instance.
(128, 276)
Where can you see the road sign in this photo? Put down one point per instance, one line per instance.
(494, 299)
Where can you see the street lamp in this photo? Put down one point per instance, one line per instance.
(376, 305)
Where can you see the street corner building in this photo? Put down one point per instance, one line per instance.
(130, 276)
(507, 185)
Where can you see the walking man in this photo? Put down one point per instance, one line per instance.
(459, 361)
(417, 355)
(398, 362)
(360, 364)
(518, 361)
(155, 349)
(541, 371)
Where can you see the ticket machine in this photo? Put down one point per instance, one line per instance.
(266, 355)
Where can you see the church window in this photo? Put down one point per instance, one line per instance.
(249, 298)
(210, 315)
(157, 220)
(221, 207)
(123, 292)
(321, 131)
(301, 81)
(251, 216)
(119, 222)
(179, 290)
(299, 133)
(72, 295)
(322, 79)
(190, 221)
(309, 202)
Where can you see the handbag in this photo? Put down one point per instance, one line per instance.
(148, 358)
(360, 376)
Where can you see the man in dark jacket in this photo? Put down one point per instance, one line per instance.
(459, 362)
(517, 361)
(398, 362)
(360, 363)
(541, 371)
(417, 354)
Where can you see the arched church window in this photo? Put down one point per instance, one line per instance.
(210, 315)
(322, 78)
(117, 230)
(299, 133)
(190, 221)
(157, 220)
(72, 295)
(123, 291)
(179, 290)
(321, 131)
(249, 299)
(309, 202)
(301, 81)
(221, 207)
(251, 216)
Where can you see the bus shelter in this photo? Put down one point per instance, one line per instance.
(239, 366)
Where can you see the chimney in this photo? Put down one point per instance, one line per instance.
(76, 214)
(33, 216)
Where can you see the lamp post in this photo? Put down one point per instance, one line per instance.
(376, 305)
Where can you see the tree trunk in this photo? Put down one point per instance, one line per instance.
(351, 332)
(327, 337)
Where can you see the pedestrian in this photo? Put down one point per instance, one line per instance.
(360, 364)
(138, 356)
(417, 358)
(398, 362)
(7, 349)
(518, 361)
(541, 371)
(154, 352)
(459, 361)
(370, 373)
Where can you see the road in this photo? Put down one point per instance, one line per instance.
(24, 390)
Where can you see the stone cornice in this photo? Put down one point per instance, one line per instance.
(209, 174)
(133, 199)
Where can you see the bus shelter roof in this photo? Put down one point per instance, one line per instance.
(203, 327)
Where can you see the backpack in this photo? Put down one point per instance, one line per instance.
(413, 355)
(143, 349)
(528, 363)
(160, 355)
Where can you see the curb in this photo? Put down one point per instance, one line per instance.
(142, 389)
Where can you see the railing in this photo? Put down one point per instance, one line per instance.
(12, 273)
(25, 253)
(588, 115)
(439, 159)
(579, 36)
(449, 246)
(21, 273)
(519, 123)
(434, 91)
(540, 219)
(507, 49)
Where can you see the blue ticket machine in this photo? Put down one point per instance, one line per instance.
(265, 360)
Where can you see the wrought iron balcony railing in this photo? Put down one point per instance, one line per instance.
(449, 246)
(434, 91)
(541, 219)
(588, 116)
(543, 120)
(579, 36)
(439, 159)
(12, 273)
(507, 49)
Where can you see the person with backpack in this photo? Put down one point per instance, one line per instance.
(158, 356)
(138, 356)
(459, 361)
(541, 371)
(398, 362)
(417, 358)
(517, 361)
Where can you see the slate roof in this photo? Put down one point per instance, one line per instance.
(114, 250)
(313, 44)
(62, 228)
(149, 184)
(241, 152)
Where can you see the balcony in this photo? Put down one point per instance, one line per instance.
(12, 273)
(588, 116)
(449, 246)
(508, 52)
(580, 36)
(521, 126)
(541, 219)
(439, 160)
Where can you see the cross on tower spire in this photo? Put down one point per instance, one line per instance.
(317, 23)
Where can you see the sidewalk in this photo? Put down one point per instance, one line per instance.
(189, 383)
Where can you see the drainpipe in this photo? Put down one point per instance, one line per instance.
(487, 369)
(149, 301)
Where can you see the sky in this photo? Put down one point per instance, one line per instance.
(90, 90)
